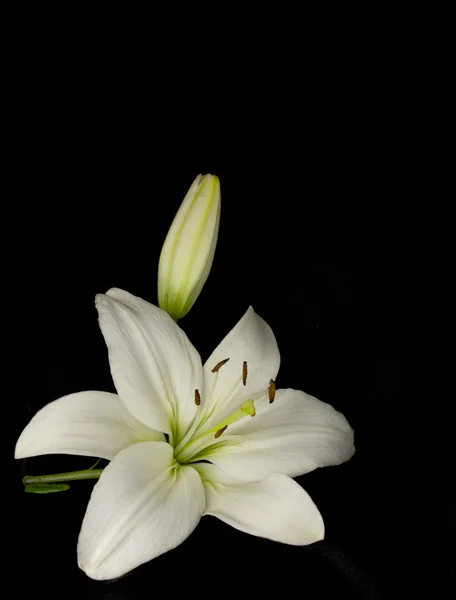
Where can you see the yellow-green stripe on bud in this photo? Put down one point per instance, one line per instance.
(187, 254)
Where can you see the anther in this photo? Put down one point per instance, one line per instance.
(220, 431)
(197, 398)
(244, 372)
(271, 391)
(219, 365)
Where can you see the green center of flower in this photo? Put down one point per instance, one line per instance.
(186, 451)
(195, 445)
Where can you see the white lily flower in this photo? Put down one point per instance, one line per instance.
(188, 252)
(226, 413)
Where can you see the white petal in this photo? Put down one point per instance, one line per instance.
(252, 341)
(276, 508)
(154, 366)
(294, 435)
(87, 423)
(140, 508)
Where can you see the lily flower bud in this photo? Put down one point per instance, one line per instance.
(188, 252)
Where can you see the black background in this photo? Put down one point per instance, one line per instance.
(357, 286)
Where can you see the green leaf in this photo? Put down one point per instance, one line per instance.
(46, 488)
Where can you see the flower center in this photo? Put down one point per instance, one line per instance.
(195, 445)
(192, 446)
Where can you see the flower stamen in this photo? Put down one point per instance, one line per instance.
(271, 391)
(244, 372)
(219, 365)
(218, 433)
(197, 398)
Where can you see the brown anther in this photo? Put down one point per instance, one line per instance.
(219, 365)
(244, 372)
(197, 398)
(220, 431)
(271, 391)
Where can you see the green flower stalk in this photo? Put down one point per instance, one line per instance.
(188, 252)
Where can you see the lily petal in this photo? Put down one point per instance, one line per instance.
(252, 342)
(276, 508)
(294, 435)
(87, 424)
(154, 366)
(141, 507)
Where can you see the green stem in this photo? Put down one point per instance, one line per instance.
(71, 476)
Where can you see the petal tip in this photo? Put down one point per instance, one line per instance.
(20, 450)
(89, 572)
(317, 532)
(100, 299)
(320, 535)
(115, 291)
(18, 453)
(112, 294)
